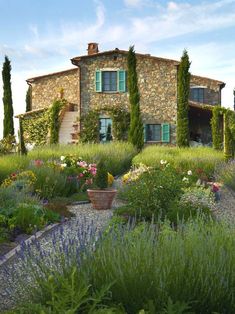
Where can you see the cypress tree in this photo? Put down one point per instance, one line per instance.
(182, 101)
(228, 140)
(28, 100)
(136, 132)
(216, 128)
(8, 124)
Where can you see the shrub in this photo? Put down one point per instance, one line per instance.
(217, 127)
(101, 178)
(194, 202)
(144, 268)
(55, 122)
(150, 194)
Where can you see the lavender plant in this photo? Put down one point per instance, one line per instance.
(137, 268)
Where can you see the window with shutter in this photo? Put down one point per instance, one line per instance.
(121, 81)
(98, 81)
(165, 132)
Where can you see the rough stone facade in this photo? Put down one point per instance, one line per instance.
(157, 79)
(212, 92)
(47, 88)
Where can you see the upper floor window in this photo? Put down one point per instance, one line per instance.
(110, 81)
(197, 94)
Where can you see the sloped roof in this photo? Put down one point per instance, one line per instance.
(32, 79)
(124, 52)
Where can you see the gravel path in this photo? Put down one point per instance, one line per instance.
(84, 214)
(225, 208)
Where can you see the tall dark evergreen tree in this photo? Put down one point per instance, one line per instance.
(28, 100)
(8, 124)
(136, 132)
(22, 148)
(182, 101)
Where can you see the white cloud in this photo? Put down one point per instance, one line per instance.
(133, 3)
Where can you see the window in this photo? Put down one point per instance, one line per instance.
(153, 132)
(157, 132)
(105, 129)
(197, 94)
(110, 81)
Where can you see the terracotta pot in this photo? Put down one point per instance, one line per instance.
(102, 199)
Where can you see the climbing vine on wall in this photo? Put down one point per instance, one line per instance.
(90, 124)
(55, 121)
(36, 126)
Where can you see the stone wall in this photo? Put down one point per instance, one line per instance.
(157, 79)
(212, 94)
(47, 88)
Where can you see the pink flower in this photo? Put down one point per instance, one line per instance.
(38, 162)
(81, 175)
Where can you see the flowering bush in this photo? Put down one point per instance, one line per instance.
(78, 169)
(24, 179)
(135, 173)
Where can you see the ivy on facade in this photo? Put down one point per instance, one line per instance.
(55, 121)
(35, 127)
(90, 124)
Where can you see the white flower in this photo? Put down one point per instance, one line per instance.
(190, 173)
(63, 165)
(62, 158)
(163, 162)
(160, 186)
(185, 180)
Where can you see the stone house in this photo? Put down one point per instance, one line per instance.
(100, 79)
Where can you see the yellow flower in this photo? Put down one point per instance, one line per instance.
(110, 179)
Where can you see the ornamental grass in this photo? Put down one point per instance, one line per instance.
(201, 160)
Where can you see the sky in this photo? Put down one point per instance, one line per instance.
(41, 36)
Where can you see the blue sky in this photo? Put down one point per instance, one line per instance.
(41, 36)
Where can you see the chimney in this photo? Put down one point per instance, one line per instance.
(92, 48)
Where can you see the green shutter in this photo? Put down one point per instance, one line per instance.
(98, 81)
(165, 132)
(145, 135)
(121, 81)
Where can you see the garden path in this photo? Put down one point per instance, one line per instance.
(225, 208)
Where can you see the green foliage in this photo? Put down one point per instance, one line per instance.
(121, 122)
(216, 126)
(201, 160)
(51, 182)
(101, 178)
(148, 269)
(8, 123)
(55, 120)
(90, 124)
(228, 140)
(136, 131)
(193, 203)
(22, 148)
(36, 127)
(151, 194)
(90, 127)
(182, 103)
(28, 99)
(7, 145)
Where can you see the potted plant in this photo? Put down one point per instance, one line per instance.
(101, 196)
